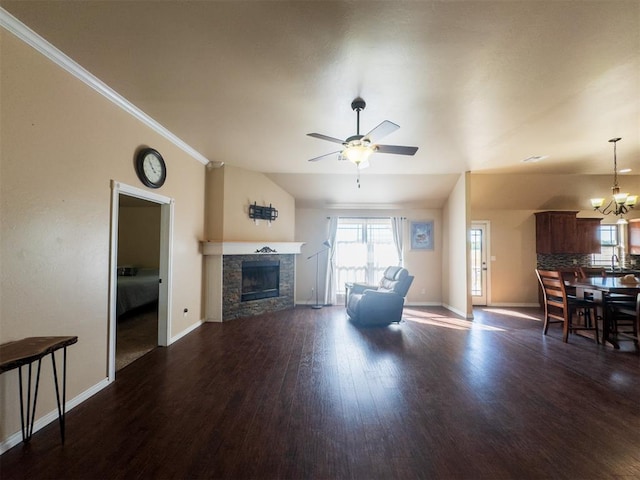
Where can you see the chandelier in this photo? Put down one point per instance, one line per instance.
(620, 203)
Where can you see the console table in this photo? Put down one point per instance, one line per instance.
(23, 353)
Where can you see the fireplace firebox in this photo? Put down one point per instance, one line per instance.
(260, 279)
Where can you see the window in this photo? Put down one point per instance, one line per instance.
(476, 261)
(364, 249)
(608, 246)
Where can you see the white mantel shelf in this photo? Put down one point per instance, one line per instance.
(251, 248)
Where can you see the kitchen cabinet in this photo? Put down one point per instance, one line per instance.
(588, 235)
(634, 236)
(563, 232)
(555, 232)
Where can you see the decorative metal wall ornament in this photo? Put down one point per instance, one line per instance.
(266, 250)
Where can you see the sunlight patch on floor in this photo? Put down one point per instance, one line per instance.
(428, 318)
(422, 313)
(510, 313)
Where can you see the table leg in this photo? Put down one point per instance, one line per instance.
(28, 410)
(61, 406)
(27, 421)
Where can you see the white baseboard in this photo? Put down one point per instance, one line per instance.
(457, 312)
(52, 416)
(187, 331)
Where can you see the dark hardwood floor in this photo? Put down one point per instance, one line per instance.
(306, 394)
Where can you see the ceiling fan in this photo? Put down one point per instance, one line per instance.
(358, 148)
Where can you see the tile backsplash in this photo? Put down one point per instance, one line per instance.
(562, 260)
(551, 261)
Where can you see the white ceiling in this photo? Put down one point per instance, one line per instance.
(477, 86)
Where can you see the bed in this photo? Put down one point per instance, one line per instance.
(136, 288)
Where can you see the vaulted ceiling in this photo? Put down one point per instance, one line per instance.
(478, 86)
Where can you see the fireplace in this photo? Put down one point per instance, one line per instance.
(224, 285)
(260, 279)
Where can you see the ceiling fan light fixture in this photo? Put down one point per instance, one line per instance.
(358, 148)
(358, 154)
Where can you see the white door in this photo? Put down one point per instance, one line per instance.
(479, 268)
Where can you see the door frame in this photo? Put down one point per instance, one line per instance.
(165, 268)
(485, 225)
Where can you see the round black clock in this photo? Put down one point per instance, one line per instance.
(151, 168)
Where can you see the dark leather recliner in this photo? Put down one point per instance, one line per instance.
(381, 305)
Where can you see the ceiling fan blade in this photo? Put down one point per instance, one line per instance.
(396, 149)
(325, 137)
(382, 130)
(322, 156)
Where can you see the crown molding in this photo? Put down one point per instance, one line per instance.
(31, 38)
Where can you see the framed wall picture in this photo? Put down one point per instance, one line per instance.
(422, 235)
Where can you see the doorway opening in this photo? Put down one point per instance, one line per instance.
(140, 274)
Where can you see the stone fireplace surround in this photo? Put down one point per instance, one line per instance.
(223, 278)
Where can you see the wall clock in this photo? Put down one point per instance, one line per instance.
(151, 168)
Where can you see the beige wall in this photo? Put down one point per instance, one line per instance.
(61, 145)
(312, 227)
(512, 241)
(214, 208)
(242, 188)
(546, 192)
(455, 272)
(139, 236)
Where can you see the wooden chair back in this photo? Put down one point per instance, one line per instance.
(586, 272)
(555, 300)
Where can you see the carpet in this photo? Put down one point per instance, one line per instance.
(136, 335)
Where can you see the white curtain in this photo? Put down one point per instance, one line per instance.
(397, 227)
(330, 279)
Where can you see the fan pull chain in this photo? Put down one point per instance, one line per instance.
(358, 180)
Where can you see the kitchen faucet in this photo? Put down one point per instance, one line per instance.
(614, 259)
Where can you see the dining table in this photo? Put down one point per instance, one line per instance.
(600, 289)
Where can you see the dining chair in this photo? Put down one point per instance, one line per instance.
(586, 272)
(559, 307)
(624, 320)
